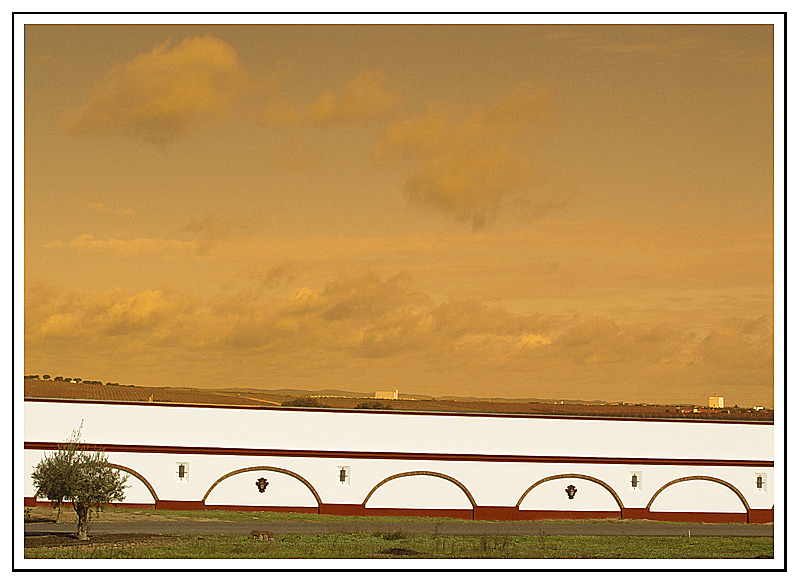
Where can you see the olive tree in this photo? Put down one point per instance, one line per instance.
(52, 475)
(79, 475)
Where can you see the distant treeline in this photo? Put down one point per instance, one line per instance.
(73, 380)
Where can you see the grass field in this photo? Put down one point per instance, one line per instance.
(111, 514)
(402, 545)
(367, 545)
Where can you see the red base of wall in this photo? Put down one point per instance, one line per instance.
(479, 513)
(465, 514)
(179, 505)
(566, 515)
(762, 516)
(294, 509)
(707, 517)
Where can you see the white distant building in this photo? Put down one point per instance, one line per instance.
(716, 402)
(386, 394)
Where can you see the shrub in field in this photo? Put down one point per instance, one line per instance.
(80, 476)
(302, 401)
(375, 405)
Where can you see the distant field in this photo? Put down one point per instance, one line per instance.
(67, 390)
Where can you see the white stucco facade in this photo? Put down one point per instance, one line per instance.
(482, 466)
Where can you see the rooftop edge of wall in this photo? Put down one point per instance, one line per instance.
(598, 417)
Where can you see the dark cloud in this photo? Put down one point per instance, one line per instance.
(369, 97)
(472, 165)
(740, 344)
(210, 229)
(159, 96)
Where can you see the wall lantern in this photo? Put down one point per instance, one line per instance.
(342, 474)
(261, 484)
(571, 491)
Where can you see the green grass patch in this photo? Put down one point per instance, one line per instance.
(120, 514)
(397, 544)
(243, 516)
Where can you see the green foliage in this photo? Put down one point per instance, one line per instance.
(94, 482)
(305, 401)
(375, 405)
(81, 476)
(396, 535)
(53, 475)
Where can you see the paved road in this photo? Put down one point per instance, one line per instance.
(449, 528)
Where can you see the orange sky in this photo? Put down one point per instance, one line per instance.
(520, 211)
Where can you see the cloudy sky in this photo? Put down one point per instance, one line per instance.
(516, 211)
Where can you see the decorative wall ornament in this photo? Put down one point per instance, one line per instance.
(261, 484)
(571, 491)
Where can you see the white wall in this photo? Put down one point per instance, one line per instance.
(551, 495)
(489, 483)
(419, 492)
(374, 431)
(697, 496)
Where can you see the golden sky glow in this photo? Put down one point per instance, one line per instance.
(520, 211)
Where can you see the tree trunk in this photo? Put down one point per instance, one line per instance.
(59, 507)
(83, 521)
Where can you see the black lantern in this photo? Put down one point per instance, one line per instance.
(262, 484)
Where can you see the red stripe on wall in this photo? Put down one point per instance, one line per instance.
(242, 451)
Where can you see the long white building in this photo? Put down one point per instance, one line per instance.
(469, 465)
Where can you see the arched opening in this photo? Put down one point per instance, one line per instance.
(421, 493)
(136, 492)
(280, 490)
(727, 503)
(590, 498)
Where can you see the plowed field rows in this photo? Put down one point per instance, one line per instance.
(67, 390)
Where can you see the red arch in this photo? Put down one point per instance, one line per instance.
(452, 480)
(138, 476)
(599, 482)
(300, 478)
(702, 478)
